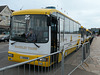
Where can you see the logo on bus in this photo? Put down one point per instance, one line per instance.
(24, 47)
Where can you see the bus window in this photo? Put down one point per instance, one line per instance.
(61, 30)
(75, 28)
(79, 29)
(71, 26)
(66, 25)
(21, 25)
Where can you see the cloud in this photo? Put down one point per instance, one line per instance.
(87, 12)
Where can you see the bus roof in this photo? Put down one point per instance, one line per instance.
(87, 30)
(39, 11)
(83, 27)
(90, 31)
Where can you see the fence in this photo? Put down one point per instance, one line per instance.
(68, 64)
(86, 51)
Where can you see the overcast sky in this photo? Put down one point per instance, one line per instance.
(87, 12)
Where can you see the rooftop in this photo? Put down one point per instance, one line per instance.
(2, 7)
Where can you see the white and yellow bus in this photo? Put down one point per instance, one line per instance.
(88, 34)
(83, 35)
(54, 32)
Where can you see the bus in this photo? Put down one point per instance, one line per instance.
(83, 35)
(89, 35)
(54, 31)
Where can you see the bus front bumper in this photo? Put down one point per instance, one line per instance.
(16, 57)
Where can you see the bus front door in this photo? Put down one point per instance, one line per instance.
(54, 39)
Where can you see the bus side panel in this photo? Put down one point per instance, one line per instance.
(59, 57)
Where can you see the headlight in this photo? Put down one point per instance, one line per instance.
(43, 59)
(10, 55)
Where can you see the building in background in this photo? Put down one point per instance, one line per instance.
(95, 30)
(5, 14)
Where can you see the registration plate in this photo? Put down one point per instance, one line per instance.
(24, 57)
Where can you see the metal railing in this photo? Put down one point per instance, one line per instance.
(48, 64)
(86, 51)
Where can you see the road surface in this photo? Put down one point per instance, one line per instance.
(70, 62)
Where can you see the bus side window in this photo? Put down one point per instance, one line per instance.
(61, 30)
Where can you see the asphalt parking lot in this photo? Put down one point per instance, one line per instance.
(4, 46)
(4, 55)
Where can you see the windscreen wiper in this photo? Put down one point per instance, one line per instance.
(36, 45)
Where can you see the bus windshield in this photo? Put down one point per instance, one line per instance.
(29, 28)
